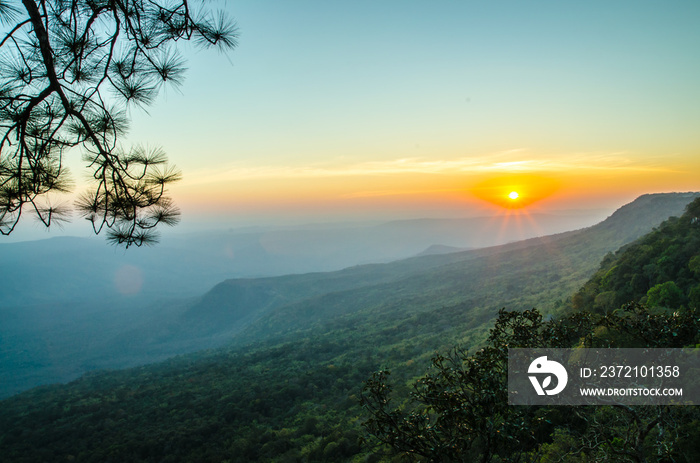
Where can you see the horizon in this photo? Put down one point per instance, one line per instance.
(29, 231)
(311, 118)
(430, 111)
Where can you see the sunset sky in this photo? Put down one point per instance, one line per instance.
(366, 109)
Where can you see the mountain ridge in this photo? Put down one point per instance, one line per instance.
(293, 395)
(624, 225)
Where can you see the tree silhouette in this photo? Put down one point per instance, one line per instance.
(69, 71)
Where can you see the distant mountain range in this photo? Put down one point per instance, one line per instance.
(67, 269)
(65, 315)
(428, 280)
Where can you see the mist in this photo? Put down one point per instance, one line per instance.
(72, 304)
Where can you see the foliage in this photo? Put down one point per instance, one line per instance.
(665, 294)
(282, 403)
(660, 269)
(459, 411)
(70, 71)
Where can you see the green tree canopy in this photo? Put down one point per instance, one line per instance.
(459, 410)
(662, 266)
(666, 294)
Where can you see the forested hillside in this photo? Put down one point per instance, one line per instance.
(661, 269)
(541, 272)
(430, 293)
(463, 399)
(289, 386)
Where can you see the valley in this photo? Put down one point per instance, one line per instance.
(298, 347)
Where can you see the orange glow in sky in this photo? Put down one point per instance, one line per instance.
(429, 188)
(515, 190)
(499, 109)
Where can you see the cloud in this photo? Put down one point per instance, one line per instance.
(375, 193)
(511, 161)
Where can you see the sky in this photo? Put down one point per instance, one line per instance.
(388, 109)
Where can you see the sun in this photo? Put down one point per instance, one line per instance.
(515, 191)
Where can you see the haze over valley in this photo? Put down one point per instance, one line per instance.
(107, 309)
(283, 352)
